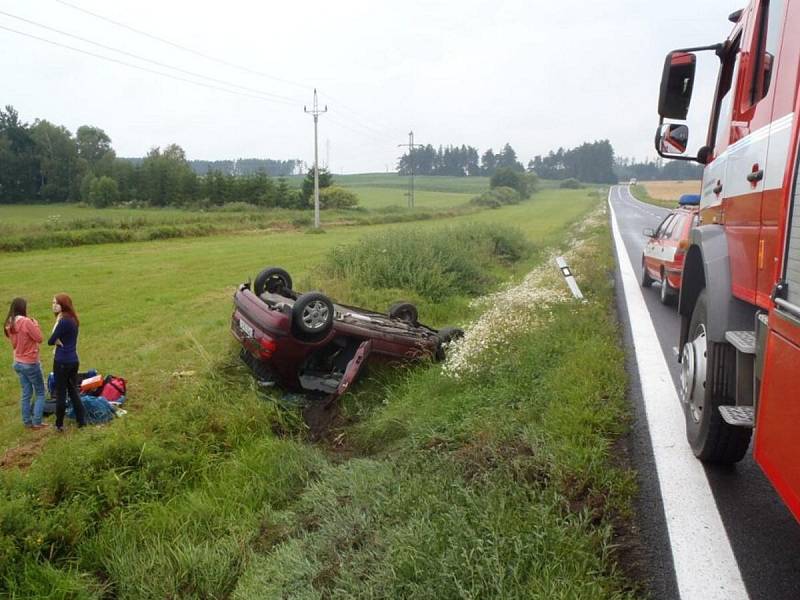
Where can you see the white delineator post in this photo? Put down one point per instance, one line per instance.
(570, 278)
(315, 112)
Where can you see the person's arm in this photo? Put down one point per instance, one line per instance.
(32, 329)
(58, 330)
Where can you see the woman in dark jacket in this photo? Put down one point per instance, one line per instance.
(65, 363)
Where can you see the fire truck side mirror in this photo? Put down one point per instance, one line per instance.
(677, 82)
(672, 139)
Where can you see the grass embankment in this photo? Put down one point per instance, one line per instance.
(383, 199)
(493, 481)
(36, 227)
(664, 193)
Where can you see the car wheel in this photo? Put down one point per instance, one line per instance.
(405, 312)
(707, 381)
(312, 314)
(667, 291)
(647, 281)
(445, 336)
(273, 280)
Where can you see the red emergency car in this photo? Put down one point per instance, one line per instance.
(663, 256)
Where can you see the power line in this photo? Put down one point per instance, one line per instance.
(145, 59)
(227, 63)
(181, 47)
(141, 68)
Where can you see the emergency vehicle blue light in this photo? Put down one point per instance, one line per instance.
(689, 200)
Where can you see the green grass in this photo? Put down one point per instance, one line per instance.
(430, 183)
(497, 485)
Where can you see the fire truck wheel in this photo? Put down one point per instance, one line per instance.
(404, 311)
(312, 314)
(667, 291)
(647, 281)
(707, 381)
(273, 280)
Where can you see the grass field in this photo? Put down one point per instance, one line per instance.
(385, 200)
(497, 483)
(664, 193)
(428, 183)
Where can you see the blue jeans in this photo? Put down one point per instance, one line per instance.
(30, 378)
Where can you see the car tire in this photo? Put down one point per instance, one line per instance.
(445, 336)
(647, 281)
(312, 314)
(273, 280)
(702, 393)
(668, 293)
(404, 311)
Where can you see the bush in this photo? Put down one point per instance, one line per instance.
(505, 177)
(571, 184)
(302, 221)
(336, 197)
(103, 192)
(497, 197)
(430, 263)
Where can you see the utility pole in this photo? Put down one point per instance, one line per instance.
(316, 112)
(410, 145)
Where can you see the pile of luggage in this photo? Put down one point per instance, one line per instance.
(102, 397)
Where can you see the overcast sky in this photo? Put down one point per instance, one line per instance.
(536, 74)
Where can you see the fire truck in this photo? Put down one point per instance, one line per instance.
(740, 296)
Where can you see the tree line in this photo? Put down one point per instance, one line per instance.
(43, 162)
(659, 169)
(591, 162)
(241, 166)
(458, 161)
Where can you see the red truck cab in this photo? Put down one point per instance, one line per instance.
(740, 294)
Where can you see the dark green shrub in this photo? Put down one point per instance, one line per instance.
(336, 197)
(570, 184)
(507, 177)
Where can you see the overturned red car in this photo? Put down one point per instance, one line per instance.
(305, 342)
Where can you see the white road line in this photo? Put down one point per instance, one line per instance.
(705, 567)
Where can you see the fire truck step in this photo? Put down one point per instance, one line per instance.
(742, 416)
(743, 341)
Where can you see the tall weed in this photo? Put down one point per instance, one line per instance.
(434, 264)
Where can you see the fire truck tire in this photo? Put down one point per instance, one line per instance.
(647, 281)
(273, 280)
(667, 291)
(404, 311)
(312, 314)
(711, 438)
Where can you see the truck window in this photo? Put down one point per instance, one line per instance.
(770, 25)
(724, 99)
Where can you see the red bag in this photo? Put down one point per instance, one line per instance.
(113, 388)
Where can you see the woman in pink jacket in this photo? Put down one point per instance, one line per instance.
(25, 337)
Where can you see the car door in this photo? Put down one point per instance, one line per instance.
(654, 250)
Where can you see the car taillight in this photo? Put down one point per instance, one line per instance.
(683, 246)
(267, 347)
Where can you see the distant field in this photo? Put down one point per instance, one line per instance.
(431, 183)
(670, 190)
(382, 197)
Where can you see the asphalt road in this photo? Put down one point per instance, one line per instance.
(764, 536)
